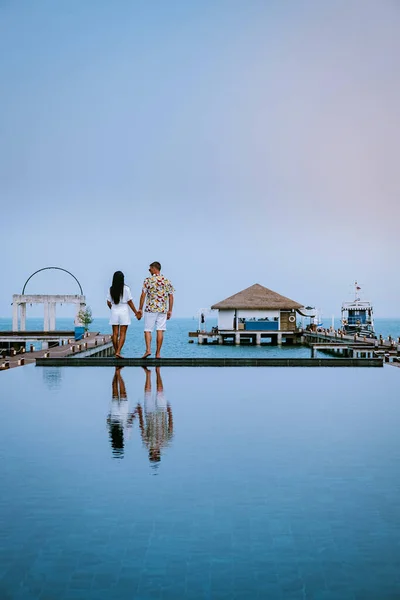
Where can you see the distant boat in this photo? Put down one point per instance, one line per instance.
(357, 315)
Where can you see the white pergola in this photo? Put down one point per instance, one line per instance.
(49, 302)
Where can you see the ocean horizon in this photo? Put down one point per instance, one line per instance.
(177, 344)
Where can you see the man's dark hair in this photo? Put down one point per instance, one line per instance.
(156, 265)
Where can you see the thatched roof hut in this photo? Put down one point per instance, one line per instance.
(257, 297)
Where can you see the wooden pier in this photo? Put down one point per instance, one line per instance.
(323, 340)
(355, 346)
(18, 339)
(244, 337)
(96, 349)
(93, 344)
(353, 350)
(208, 362)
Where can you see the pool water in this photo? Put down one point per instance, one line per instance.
(200, 483)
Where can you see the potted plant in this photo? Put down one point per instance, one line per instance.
(85, 317)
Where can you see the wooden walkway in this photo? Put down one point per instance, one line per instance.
(354, 346)
(327, 336)
(395, 364)
(209, 362)
(91, 343)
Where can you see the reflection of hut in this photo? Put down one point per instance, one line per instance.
(258, 310)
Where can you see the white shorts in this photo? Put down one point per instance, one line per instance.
(157, 319)
(120, 315)
(154, 402)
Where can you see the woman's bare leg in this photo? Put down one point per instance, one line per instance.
(121, 383)
(122, 337)
(114, 337)
(115, 390)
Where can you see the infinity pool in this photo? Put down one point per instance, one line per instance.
(200, 483)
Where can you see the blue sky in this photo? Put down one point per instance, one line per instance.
(235, 142)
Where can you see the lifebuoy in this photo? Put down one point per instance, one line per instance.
(292, 318)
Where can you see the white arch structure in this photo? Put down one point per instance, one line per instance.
(49, 302)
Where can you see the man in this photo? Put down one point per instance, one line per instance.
(157, 426)
(159, 295)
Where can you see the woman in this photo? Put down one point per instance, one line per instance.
(119, 300)
(120, 419)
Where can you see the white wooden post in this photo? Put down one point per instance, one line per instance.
(23, 316)
(15, 316)
(52, 316)
(46, 316)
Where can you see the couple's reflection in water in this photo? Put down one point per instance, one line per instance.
(154, 418)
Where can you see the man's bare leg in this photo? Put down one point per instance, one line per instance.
(160, 387)
(160, 339)
(147, 339)
(147, 384)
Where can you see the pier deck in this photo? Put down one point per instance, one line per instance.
(353, 345)
(21, 336)
(327, 336)
(92, 343)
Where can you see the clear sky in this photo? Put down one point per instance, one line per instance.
(236, 142)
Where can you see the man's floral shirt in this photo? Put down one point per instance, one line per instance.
(157, 289)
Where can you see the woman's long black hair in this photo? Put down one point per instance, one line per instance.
(117, 286)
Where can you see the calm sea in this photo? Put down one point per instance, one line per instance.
(177, 341)
(252, 484)
(199, 483)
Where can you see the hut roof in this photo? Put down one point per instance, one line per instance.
(257, 297)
